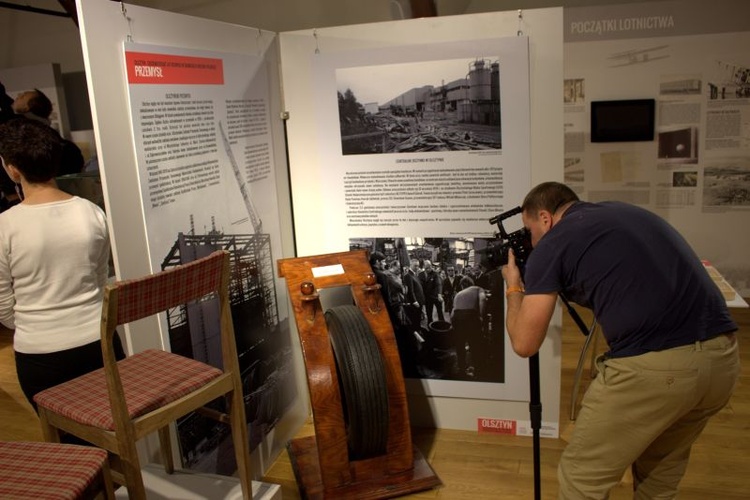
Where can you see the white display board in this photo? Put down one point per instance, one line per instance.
(401, 58)
(108, 29)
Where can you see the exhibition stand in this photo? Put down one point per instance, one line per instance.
(147, 213)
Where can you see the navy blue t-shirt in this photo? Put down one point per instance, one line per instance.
(647, 288)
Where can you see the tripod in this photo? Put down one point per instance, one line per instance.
(535, 400)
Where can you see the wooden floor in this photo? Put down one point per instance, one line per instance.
(479, 467)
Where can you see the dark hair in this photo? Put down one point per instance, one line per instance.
(376, 256)
(548, 196)
(32, 147)
(464, 283)
(39, 104)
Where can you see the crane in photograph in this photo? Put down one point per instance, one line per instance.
(253, 214)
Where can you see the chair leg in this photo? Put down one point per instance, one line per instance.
(109, 490)
(131, 469)
(241, 442)
(50, 433)
(165, 442)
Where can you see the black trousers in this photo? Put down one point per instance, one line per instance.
(37, 372)
(467, 330)
(429, 305)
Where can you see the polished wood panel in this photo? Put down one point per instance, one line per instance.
(321, 463)
(487, 467)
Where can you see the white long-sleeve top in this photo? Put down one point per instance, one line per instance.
(53, 268)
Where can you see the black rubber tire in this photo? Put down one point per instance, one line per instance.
(361, 375)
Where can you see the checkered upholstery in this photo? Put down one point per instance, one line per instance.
(30, 470)
(141, 297)
(151, 379)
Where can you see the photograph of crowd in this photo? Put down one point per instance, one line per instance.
(445, 303)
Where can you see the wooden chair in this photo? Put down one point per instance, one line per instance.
(32, 470)
(117, 405)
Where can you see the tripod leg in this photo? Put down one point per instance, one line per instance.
(535, 410)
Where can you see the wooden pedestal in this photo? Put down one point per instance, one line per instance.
(321, 462)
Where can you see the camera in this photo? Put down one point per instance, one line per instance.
(519, 241)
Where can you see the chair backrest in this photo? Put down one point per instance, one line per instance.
(129, 300)
(142, 297)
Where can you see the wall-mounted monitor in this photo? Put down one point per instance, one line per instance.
(623, 121)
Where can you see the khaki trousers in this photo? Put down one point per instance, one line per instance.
(646, 411)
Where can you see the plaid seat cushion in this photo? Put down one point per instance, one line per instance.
(47, 470)
(151, 379)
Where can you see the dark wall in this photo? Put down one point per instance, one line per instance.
(77, 100)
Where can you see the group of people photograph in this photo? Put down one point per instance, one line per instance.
(446, 309)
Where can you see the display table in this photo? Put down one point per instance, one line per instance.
(730, 294)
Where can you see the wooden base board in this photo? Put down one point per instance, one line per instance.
(190, 485)
(303, 453)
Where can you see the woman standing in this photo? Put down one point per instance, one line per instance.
(54, 254)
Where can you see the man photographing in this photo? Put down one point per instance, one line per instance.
(672, 361)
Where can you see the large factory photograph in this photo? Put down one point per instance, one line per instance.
(456, 107)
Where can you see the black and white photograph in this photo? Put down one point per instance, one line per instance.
(679, 145)
(731, 81)
(685, 179)
(263, 346)
(445, 300)
(727, 183)
(573, 91)
(446, 105)
(680, 85)
(574, 172)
